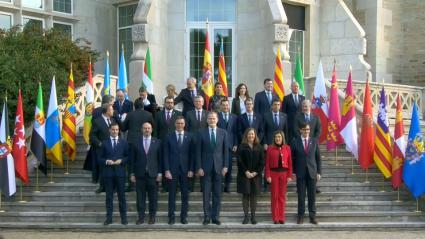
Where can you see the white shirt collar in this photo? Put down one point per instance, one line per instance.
(147, 138)
(177, 133)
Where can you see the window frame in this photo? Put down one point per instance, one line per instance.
(34, 18)
(42, 5)
(66, 23)
(11, 18)
(11, 2)
(301, 53)
(65, 13)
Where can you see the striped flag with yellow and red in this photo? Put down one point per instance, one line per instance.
(69, 130)
(278, 77)
(207, 76)
(222, 78)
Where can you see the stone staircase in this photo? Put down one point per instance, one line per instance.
(346, 203)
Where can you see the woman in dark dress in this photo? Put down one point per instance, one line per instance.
(278, 172)
(251, 164)
(238, 103)
(215, 100)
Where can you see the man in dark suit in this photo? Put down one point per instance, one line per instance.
(291, 107)
(228, 122)
(98, 133)
(145, 168)
(212, 164)
(187, 95)
(97, 112)
(132, 124)
(250, 120)
(179, 166)
(263, 99)
(148, 100)
(113, 158)
(122, 106)
(307, 168)
(196, 119)
(307, 117)
(273, 121)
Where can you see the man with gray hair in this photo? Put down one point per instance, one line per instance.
(291, 107)
(308, 118)
(187, 95)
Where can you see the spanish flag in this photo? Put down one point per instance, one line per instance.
(278, 77)
(207, 76)
(69, 129)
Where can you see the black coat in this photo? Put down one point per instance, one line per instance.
(110, 153)
(269, 127)
(315, 125)
(186, 98)
(306, 164)
(291, 110)
(179, 159)
(243, 124)
(133, 124)
(236, 107)
(139, 159)
(192, 124)
(261, 102)
(152, 107)
(162, 127)
(252, 160)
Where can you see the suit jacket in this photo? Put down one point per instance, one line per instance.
(152, 107)
(97, 112)
(99, 131)
(243, 124)
(236, 106)
(110, 153)
(187, 100)
(133, 124)
(306, 164)
(315, 125)
(270, 127)
(212, 159)
(192, 124)
(142, 163)
(289, 107)
(215, 102)
(273, 157)
(162, 128)
(179, 159)
(261, 102)
(231, 127)
(125, 108)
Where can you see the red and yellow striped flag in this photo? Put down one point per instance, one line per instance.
(382, 153)
(222, 78)
(399, 147)
(69, 128)
(207, 76)
(278, 77)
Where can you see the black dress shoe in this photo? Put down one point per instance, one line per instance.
(125, 222)
(206, 222)
(314, 221)
(216, 222)
(253, 220)
(171, 221)
(140, 221)
(183, 221)
(318, 191)
(281, 222)
(151, 220)
(107, 222)
(245, 220)
(100, 190)
(275, 222)
(300, 220)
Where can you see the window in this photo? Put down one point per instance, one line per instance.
(125, 21)
(6, 1)
(33, 3)
(213, 10)
(36, 22)
(296, 45)
(5, 21)
(221, 15)
(65, 28)
(64, 6)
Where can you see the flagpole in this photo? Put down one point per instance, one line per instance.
(352, 165)
(417, 206)
(1, 210)
(383, 186)
(398, 195)
(51, 172)
(67, 165)
(366, 181)
(20, 193)
(36, 181)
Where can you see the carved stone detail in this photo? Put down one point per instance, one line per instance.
(281, 33)
(140, 33)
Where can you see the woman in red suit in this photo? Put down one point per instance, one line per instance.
(278, 173)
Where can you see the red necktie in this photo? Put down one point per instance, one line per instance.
(305, 145)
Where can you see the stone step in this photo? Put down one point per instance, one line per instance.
(99, 206)
(225, 217)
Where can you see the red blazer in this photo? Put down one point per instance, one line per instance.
(272, 159)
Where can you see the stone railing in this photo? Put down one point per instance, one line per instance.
(408, 95)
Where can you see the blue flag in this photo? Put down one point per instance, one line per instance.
(122, 75)
(414, 164)
(107, 76)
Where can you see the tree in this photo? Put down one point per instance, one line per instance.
(32, 55)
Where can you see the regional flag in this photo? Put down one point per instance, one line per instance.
(382, 150)
(299, 78)
(348, 120)
(320, 102)
(207, 76)
(399, 147)
(53, 135)
(19, 149)
(278, 88)
(38, 137)
(414, 163)
(147, 73)
(222, 78)
(107, 77)
(122, 75)
(69, 129)
(89, 106)
(334, 117)
(367, 135)
(7, 167)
